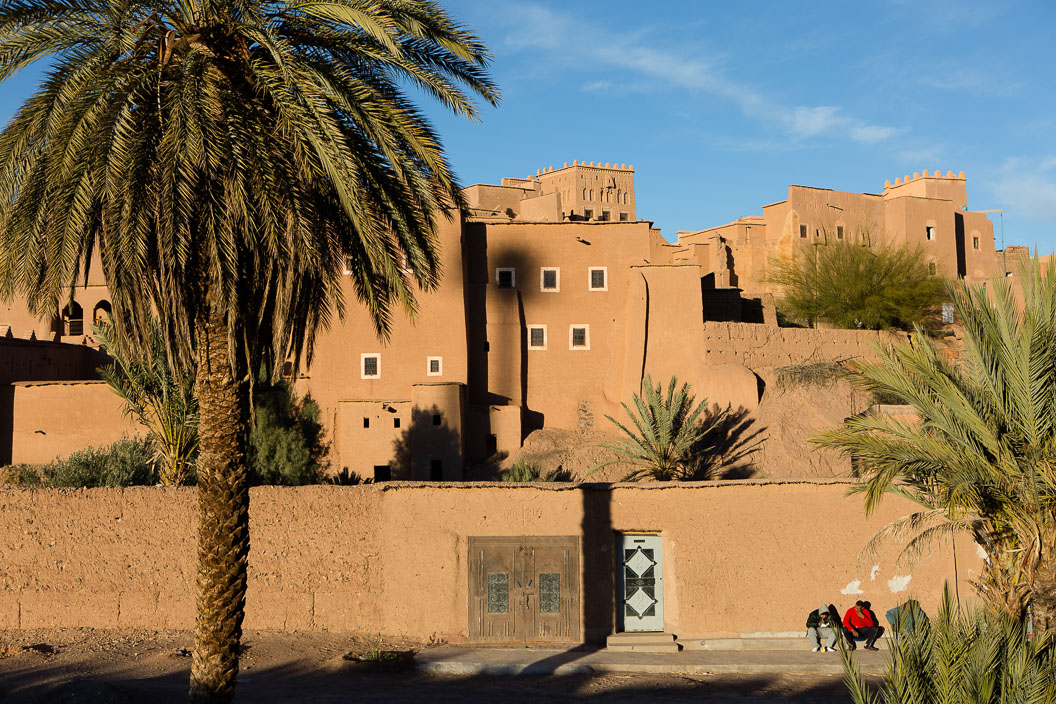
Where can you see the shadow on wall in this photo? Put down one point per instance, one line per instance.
(428, 450)
(726, 451)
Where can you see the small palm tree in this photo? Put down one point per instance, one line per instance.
(522, 471)
(162, 401)
(981, 658)
(666, 441)
(982, 458)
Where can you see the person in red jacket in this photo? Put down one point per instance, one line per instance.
(857, 623)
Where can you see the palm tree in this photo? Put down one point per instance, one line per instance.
(229, 160)
(958, 658)
(161, 401)
(982, 457)
(666, 441)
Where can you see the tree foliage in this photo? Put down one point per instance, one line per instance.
(665, 434)
(849, 285)
(286, 443)
(959, 658)
(982, 457)
(522, 471)
(161, 401)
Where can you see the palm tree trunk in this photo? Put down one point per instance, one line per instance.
(223, 511)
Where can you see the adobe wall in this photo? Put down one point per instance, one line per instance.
(391, 558)
(53, 419)
(765, 346)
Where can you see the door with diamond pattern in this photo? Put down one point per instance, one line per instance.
(641, 587)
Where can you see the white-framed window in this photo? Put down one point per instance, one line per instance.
(506, 277)
(537, 337)
(929, 233)
(370, 365)
(579, 337)
(434, 366)
(550, 279)
(598, 278)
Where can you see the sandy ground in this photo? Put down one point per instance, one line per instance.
(97, 667)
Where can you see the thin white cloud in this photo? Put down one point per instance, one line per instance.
(598, 86)
(1028, 187)
(560, 37)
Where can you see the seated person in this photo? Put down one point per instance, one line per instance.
(906, 617)
(859, 624)
(821, 629)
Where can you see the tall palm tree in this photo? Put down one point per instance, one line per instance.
(229, 160)
(982, 457)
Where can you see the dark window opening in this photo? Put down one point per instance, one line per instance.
(975, 243)
(437, 420)
(930, 233)
(370, 366)
(579, 337)
(434, 366)
(382, 473)
(366, 422)
(623, 217)
(597, 278)
(802, 230)
(73, 319)
(588, 214)
(549, 279)
(536, 337)
(493, 444)
(436, 470)
(395, 422)
(505, 278)
(839, 232)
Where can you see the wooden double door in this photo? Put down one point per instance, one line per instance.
(524, 589)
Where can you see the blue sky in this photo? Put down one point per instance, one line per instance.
(720, 106)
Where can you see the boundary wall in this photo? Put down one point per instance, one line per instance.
(739, 557)
(766, 346)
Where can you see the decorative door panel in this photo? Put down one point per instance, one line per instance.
(524, 589)
(641, 583)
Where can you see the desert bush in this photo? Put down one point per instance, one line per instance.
(23, 475)
(523, 471)
(853, 286)
(811, 373)
(127, 462)
(286, 443)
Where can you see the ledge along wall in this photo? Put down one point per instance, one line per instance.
(739, 557)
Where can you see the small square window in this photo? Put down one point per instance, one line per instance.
(506, 278)
(434, 366)
(588, 214)
(537, 337)
(579, 337)
(370, 366)
(817, 232)
(930, 233)
(438, 419)
(624, 217)
(975, 243)
(396, 422)
(605, 214)
(803, 231)
(839, 232)
(550, 280)
(366, 422)
(599, 278)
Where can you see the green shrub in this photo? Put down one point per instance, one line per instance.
(852, 286)
(286, 443)
(24, 475)
(523, 471)
(127, 462)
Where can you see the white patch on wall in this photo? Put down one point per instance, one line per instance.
(872, 573)
(853, 588)
(899, 584)
(980, 552)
